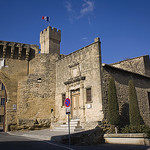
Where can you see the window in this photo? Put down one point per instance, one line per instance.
(149, 98)
(2, 63)
(63, 99)
(2, 101)
(88, 95)
(1, 118)
(3, 87)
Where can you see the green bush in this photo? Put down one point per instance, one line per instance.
(136, 129)
(134, 113)
(113, 109)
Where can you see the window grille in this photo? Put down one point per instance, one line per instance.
(88, 95)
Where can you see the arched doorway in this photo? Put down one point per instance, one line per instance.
(3, 98)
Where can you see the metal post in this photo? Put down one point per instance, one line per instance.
(69, 128)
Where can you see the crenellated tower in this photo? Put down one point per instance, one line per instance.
(50, 39)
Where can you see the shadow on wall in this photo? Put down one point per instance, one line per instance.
(124, 116)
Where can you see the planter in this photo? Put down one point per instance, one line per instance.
(127, 138)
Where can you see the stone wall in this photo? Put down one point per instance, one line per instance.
(36, 92)
(10, 74)
(14, 66)
(1, 110)
(139, 65)
(142, 84)
(50, 40)
(80, 70)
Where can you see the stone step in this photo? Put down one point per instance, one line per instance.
(74, 126)
(66, 130)
(71, 128)
(63, 130)
(66, 125)
(63, 127)
(73, 123)
(74, 120)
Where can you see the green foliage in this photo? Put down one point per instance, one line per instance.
(137, 129)
(113, 109)
(134, 113)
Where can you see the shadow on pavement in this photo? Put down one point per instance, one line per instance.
(93, 140)
(43, 145)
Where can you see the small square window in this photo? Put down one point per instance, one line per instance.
(63, 99)
(88, 95)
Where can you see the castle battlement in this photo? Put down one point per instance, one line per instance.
(50, 39)
(50, 32)
(52, 29)
(15, 50)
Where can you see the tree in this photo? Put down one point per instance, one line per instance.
(134, 113)
(113, 109)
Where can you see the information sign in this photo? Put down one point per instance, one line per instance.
(67, 110)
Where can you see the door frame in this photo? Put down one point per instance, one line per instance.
(76, 93)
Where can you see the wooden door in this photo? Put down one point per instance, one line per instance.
(75, 104)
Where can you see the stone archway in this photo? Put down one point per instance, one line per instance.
(3, 99)
(10, 111)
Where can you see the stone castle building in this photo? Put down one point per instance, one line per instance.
(38, 83)
(2, 104)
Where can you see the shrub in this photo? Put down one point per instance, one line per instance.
(113, 109)
(136, 129)
(134, 113)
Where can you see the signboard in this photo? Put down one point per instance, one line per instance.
(67, 110)
(67, 102)
(14, 106)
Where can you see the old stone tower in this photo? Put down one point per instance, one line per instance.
(50, 41)
(37, 81)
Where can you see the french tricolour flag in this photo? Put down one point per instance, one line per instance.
(46, 18)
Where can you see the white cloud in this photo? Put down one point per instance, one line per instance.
(84, 38)
(87, 7)
(68, 6)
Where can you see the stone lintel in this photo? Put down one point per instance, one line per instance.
(76, 79)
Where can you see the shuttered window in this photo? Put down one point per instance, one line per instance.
(63, 99)
(88, 95)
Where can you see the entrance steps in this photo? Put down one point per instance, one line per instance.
(74, 126)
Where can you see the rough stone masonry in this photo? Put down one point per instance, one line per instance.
(37, 82)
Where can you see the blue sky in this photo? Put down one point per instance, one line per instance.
(122, 25)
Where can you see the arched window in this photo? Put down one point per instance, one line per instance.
(2, 87)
